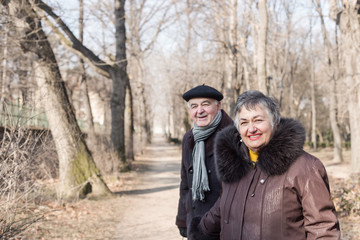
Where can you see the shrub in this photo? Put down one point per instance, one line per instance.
(346, 196)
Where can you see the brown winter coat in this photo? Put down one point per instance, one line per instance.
(187, 208)
(284, 196)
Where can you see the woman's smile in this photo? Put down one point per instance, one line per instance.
(254, 137)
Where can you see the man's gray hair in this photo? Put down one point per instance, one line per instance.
(251, 99)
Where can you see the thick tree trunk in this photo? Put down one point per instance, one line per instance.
(350, 45)
(79, 175)
(120, 80)
(117, 104)
(261, 46)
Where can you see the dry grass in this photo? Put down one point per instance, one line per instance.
(19, 166)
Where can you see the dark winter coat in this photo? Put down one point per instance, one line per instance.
(187, 208)
(285, 195)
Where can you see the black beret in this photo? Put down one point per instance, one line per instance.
(203, 91)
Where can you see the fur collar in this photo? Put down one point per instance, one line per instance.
(274, 159)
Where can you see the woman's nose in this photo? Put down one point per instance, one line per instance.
(252, 128)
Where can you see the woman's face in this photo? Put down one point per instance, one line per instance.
(255, 127)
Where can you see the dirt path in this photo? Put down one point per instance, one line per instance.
(144, 207)
(152, 205)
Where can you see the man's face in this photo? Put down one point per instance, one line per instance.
(203, 110)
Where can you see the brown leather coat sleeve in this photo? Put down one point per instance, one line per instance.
(318, 209)
(210, 223)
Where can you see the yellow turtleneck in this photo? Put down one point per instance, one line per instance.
(253, 155)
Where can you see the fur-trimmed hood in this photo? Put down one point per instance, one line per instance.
(231, 155)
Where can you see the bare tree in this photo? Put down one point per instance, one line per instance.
(245, 56)
(231, 62)
(116, 70)
(78, 173)
(338, 157)
(83, 81)
(347, 18)
(261, 46)
(142, 17)
(220, 28)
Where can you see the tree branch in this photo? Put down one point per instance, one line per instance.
(71, 41)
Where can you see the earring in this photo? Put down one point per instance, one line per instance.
(240, 139)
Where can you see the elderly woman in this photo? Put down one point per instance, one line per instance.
(271, 187)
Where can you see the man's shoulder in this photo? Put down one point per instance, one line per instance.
(226, 120)
(188, 140)
(188, 136)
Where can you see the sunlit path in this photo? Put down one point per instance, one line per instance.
(150, 207)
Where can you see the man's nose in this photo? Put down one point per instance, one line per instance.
(200, 109)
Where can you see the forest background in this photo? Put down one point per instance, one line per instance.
(86, 84)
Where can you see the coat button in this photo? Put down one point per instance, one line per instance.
(262, 181)
(209, 171)
(226, 221)
(190, 171)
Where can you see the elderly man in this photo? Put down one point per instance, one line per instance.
(200, 187)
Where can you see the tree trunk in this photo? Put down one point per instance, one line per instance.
(117, 104)
(117, 72)
(313, 104)
(319, 133)
(313, 95)
(231, 63)
(350, 45)
(261, 46)
(83, 82)
(291, 92)
(79, 175)
(120, 81)
(130, 128)
(4, 73)
(338, 157)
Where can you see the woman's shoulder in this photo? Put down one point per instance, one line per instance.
(307, 163)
